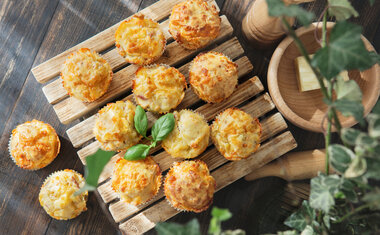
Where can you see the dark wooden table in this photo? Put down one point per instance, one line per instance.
(33, 31)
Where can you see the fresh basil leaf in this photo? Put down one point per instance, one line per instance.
(301, 218)
(348, 90)
(340, 157)
(341, 9)
(141, 121)
(278, 8)
(167, 228)
(357, 168)
(162, 127)
(323, 189)
(350, 108)
(137, 152)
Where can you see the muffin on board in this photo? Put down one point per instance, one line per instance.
(213, 76)
(190, 136)
(159, 88)
(189, 186)
(114, 126)
(34, 145)
(86, 75)
(140, 40)
(136, 182)
(194, 23)
(57, 195)
(236, 134)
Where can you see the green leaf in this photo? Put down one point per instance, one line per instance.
(373, 198)
(374, 125)
(326, 220)
(308, 230)
(221, 214)
(348, 108)
(162, 127)
(376, 108)
(340, 157)
(348, 90)
(288, 232)
(341, 9)
(301, 218)
(233, 232)
(373, 166)
(167, 228)
(350, 135)
(345, 51)
(348, 190)
(141, 121)
(278, 8)
(357, 168)
(137, 152)
(323, 188)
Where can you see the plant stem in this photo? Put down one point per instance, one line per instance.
(324, 29)
(356, 210)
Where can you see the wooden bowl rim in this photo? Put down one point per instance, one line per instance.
(279, 101)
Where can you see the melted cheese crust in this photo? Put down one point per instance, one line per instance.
(189, 186)
(114, 126)
(189, 137)
(140, 40)
(86, 75)
(236, 134)
(57, 195)
(159, 88)
(136, 182)
(33, 145)
(213, 76)
(194, 23)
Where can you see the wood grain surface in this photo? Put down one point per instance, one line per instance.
(36, 30)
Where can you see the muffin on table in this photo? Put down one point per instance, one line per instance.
(136, 182)
(86, 75)
(190, 136)
(213, 76)
(34, 145)
(140, 40)
(189, 186)
(159, 88)
(114, 126)
(57, 195)
(194, 23)
(236, 134)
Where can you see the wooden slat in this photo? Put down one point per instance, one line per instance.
(72, 108)
(224, 176)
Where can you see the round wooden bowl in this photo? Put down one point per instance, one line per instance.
(306, 109)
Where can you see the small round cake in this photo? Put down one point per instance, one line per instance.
(140, 40)
(213, 76)
(189, 186)
(194, 23)
(190, 136)
(57, 195)
(34, 145)
(136, 182)
(236, 134)
(115, 128)
(159, 88)
(86, 75)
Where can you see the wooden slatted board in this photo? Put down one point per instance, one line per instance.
(249, 96)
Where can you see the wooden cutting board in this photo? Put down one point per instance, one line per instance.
(249, 96)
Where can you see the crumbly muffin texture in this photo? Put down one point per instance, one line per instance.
(114, 126)
(34, 145)
(57, 195)
(236, 134)
(189, 186)
(213, 76)
(136, 182)
(159, 88)
(86, 75)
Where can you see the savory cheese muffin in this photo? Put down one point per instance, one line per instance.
(189, 186)
(194, 23)
(158, 88)
(57, 195)
(34, 145)
(213, 76)
(236, 134)
(189, 137)
(86, 75)
(140, 40)
(136, 182)
(115, 128)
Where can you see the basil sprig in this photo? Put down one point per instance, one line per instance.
(141, 121)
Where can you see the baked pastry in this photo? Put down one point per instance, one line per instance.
(158, 88)
(57, 195)
(34, 145)
(236, 134)
(115, 128)
(194, 23)
(140, 40)
(136, 182)
(189, 186)
(86, 75)
(189, 137)
(213, 76)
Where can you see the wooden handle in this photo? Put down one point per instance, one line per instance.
(293, 166)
